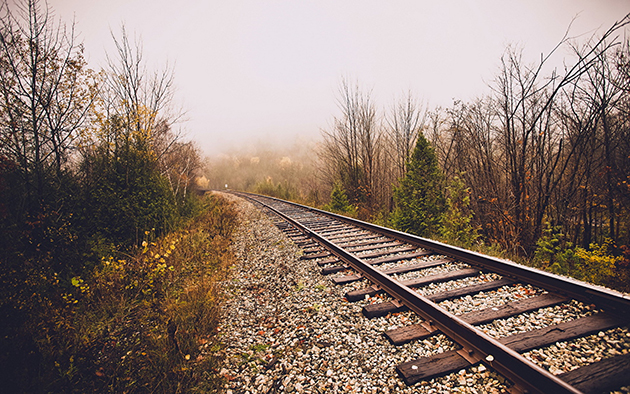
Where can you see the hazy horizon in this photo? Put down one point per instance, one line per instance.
(249, 71)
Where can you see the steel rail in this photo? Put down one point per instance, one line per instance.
(615, 303)
(477, 346)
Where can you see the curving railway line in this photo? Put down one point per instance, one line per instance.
(401, 271)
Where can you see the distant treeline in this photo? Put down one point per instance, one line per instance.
(288, 172)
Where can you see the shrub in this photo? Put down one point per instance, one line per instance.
(269, 188)
(458, 216)
(124, 196)
(554, 253)
(143, 320)
(597, 265)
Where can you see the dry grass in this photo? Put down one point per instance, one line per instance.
(139, 322)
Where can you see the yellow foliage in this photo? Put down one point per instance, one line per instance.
(129, 123)
(598, 264)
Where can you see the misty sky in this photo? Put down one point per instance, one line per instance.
(269, 71)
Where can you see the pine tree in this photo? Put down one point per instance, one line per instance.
(339, 200)
(419, 201)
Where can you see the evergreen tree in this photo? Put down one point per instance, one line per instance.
(419, 201)
(458, 218)
(339, 200)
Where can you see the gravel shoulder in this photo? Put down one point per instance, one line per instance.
(287, 328)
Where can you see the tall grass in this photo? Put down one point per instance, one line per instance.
(139, 321)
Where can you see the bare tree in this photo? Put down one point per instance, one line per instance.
(135, 109)
(406, 119)
(46, 91)
(541, 143)
(141, 100)
(351, 151)
(180, 165)
(594, 121)
(535, 150)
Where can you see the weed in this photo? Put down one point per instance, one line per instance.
(140, 321)
(261, 347)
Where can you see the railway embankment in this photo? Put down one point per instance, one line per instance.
(287, 328)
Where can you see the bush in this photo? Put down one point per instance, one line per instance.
(458, 227)
(124, 196)
(554, 253)
(140, 321)
(596, 265)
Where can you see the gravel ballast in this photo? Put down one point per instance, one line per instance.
(287, 328)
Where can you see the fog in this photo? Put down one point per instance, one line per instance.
(263, 166)
(249, 71)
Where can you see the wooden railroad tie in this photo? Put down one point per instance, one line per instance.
(590, 376)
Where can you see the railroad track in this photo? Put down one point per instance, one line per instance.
(410, 270)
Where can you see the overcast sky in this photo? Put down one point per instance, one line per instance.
(250, 71)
